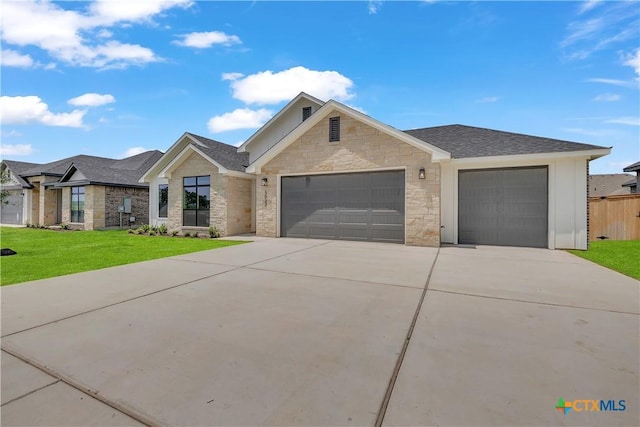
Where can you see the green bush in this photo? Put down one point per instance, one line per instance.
(174, 233)
(144, 228)
(214, 232)
(65, 226)
(162, 229)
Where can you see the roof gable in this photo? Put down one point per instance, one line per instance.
(223, 156)
(273, 121)
(468, 141)
(331, 106)
(632, 168)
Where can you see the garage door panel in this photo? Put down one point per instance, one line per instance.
(351, 206)
(11, 211)
(503, 207)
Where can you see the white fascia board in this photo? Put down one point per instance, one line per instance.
(243, 148)
(146, 178)
(437, 154)
(177, 160)
(590, 154)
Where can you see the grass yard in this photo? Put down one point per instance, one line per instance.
(48, 253)
(620, 255)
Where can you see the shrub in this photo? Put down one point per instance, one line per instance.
(152, 233)
(65, 226)
(187, 234)
(162, 229)
(131, 231)
(144, 228)
(214, 232)
(27, 224)
(174, 233)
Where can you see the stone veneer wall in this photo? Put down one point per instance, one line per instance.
(66, 205)
(94, 201)
(238, 205)
(114, 197)
(361, 147)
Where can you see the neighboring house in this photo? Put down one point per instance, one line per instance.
(633, 184)
(324, 170)
(12, 211)
(84, 191)
(609, 184)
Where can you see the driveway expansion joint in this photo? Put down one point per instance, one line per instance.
(534, 302)
(55, 381)
(95, 394)
(392, 381)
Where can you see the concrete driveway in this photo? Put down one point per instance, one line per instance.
(312, 332)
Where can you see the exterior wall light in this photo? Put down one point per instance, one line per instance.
(265, 181)
(421, 174)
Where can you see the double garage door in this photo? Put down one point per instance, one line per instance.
(506, 207)
(348, 206)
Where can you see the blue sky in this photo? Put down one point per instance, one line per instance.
(108, 78)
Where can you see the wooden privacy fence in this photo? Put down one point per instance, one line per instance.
(615, 217)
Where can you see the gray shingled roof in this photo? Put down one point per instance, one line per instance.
(468, 141)
(100, 170)
(632, 168)
(608, 184)
(225, 154)
(18, 168)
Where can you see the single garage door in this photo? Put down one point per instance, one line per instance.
(503, 207)
(12, 210)
(348, 206)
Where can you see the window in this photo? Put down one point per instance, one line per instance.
(195, 210)
(334, 129)
(77, 204)
(163, 200)
(306, 113)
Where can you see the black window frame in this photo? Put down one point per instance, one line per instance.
(163, 200)
(77, 215)
(306, 113)
(334, 129)
(198, 215)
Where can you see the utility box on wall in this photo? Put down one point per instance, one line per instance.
(127, 205)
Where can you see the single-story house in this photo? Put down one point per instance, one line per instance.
(325, 170)
(83, 191)
(634, 183)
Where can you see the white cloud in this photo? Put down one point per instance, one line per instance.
(16, 150)
(11, 133)
(133, 151)
(633, 60)
(614, 82)
(487, 99)
(607, 97)
(70, 36)
(207, 39)
(267, 87)
(31, 109)
(373, 6)
(586, 6)
(91, 100)
(613, 23)
(631, 121)
(231, 76)
(11, 58)
(241, 118)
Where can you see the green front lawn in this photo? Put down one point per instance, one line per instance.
(619, 255)
(48, 253)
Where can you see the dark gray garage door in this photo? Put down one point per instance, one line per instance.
(503, 207)
(11, 212)
(350, 206)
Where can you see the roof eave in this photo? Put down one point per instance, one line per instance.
(589, 154)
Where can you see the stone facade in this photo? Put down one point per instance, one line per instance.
(360, 148)
(230, 198)
(66, 205)
(94, 201)
(114, 197)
